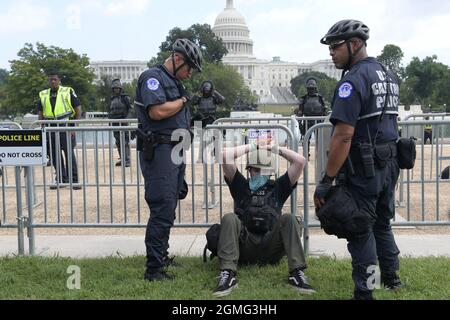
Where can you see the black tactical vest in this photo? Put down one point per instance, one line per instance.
(207, 105)
(118, 109)
(260, 213)
(313, 106)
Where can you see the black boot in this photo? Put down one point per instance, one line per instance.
(391, 281)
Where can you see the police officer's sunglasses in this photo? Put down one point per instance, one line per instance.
(336, 44)
(191, 68)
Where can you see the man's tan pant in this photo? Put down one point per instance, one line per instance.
(236, 245)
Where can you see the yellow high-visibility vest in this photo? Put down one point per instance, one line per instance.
(63, 106)
(428, 127)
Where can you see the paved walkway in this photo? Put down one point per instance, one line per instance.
(192, 245)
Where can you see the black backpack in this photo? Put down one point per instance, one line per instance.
(212, 241)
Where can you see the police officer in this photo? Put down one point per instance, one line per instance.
(428, 132)
(207, 104)
(258, 232)
(61, 103)
(368, 135)
(311, 105)
(120, 108)
(161, 109)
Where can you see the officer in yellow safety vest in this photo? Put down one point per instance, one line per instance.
(428, 132)
(61, 103)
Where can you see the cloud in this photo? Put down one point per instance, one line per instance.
(127, 7)
(24, 16)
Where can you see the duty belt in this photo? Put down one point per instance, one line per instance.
(389, 151)
(163, 139)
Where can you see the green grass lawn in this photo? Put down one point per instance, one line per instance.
(116, 278)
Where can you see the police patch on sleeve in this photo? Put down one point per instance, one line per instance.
(153, 84)
(345, 90)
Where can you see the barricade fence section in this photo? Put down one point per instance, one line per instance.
(110, 193)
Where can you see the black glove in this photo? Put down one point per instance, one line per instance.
(323, 188)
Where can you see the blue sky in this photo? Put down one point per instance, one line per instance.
(134, 29)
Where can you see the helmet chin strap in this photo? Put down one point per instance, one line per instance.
(175, 70)
(352, 56)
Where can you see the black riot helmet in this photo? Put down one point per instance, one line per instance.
(346, 29)
(116, 84)
(191, 52)
(311, 85)
(207, 88)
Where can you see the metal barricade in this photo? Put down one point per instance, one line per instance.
(413, 212)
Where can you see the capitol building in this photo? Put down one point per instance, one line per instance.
(270, 80)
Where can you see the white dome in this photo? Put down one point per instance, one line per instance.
(231, 27)
(230, 16)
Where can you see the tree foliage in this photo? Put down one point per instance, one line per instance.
(212, 46)
(28, 75)
(326, 85)
(4, 111)
(392, 57)
(426, 82)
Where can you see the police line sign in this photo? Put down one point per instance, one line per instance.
(23, 148)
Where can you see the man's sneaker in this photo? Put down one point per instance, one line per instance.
(158, 276)
(299, 281)
(227, 282)
(391, 281)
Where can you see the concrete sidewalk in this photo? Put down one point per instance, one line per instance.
(192, 245)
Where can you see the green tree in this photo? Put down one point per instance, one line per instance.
(28, 75)
(326, 85)
(391, 57)
(426, 82)
(212, 46)
(3, 76)
(4, 110)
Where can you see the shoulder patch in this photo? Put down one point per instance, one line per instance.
(153, 84)
(345, 90)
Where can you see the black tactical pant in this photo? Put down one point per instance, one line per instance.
(375, 197)
(61, 153)
(237, 245)
(163, 182)
(124, 136)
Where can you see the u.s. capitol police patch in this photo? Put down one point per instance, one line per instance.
(345, 90)
(153, 84)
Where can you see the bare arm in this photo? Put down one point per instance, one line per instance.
(297, 161)
(341, 141)
(229, 156)
(78, 113)
(166, 110)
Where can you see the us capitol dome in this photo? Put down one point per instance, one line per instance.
(269, 79)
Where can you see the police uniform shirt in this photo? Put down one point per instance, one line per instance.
(239, 188)
(359, 100)
(157, 86)
(53, 95)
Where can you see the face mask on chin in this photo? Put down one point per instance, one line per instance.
(257, 182)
